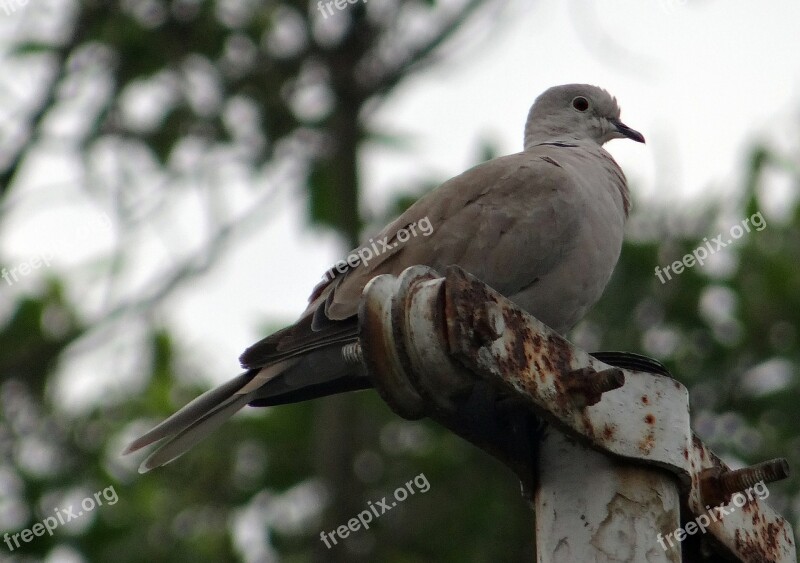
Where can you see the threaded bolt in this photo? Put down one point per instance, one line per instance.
(768, 471)
(606, 380)
(586, 386)
(352, 353)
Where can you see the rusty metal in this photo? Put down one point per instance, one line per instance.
(766, 472)
(587, 385)
(718, 484)
(753, 532)
(453, 349)
(531, 360)
(395, 315)
(380, 348)
(403, 335)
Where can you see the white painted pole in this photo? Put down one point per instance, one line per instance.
(589, 508)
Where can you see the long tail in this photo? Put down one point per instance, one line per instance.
(189, 413)
(317, 374)
(202, 416)
(192, 434)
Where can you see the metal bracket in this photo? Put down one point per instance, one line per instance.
(454, 350)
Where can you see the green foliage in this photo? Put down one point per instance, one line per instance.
(34, 334)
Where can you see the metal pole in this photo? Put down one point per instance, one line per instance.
(616, 475)
(588, 507)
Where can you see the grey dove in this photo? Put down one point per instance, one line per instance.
(543, 227)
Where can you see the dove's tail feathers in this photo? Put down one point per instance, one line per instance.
(191, 412)
(195, 432)
(317, 374)
(267, 397)
(323, 372)
(203, 415)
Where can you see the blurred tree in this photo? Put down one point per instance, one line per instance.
(228, 104)
(189, 100)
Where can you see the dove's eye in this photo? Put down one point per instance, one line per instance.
(580, 103)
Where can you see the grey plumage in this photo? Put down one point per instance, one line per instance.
(543, 226)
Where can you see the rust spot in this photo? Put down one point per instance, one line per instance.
(698, 446)
(763, 545)
(516, 336)
(587, 425)
(645, 400)
(608, 432)
(686, 454)
(710, 490)
(647, 443)
(770, 536)
(650, 419)
(559, 351)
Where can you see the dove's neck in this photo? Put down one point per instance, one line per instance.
(534, 138)
(588, 149)
(541, 130)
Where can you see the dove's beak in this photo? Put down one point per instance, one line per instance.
(626, 131)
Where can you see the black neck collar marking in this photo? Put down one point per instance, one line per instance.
(558, 144)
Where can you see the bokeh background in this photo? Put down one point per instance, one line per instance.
(175, 177)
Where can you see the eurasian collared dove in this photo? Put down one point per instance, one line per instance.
(543, 227)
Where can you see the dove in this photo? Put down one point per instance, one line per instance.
(543, 227)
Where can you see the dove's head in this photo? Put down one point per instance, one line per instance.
(576, 112)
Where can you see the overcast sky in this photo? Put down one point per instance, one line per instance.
(701, 80)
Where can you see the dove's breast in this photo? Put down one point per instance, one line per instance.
(596, 211)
